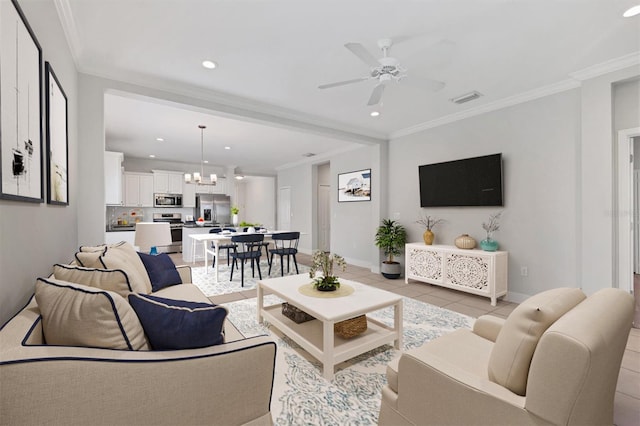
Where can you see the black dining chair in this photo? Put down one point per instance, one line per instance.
(265, 244)
(286, 244)
(247, 247)
(227, 247)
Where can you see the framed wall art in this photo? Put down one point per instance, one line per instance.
(57, 140)
(354, 186)
(20, 107)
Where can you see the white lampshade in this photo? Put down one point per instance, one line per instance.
(213, 177)
(187, 177)
(197, 178)
(152, 234)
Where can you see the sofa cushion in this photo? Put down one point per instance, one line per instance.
(161, 270)
(89, 259)
(177, 324)
(512, 353)
(115, 280)
(78, 315)
(125, 257)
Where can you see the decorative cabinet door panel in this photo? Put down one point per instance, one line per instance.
(467, 271)
(425, 264)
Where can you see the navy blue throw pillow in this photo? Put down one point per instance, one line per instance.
(177, 324)
(161, 269)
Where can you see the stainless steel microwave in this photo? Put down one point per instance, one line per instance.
(167, 200)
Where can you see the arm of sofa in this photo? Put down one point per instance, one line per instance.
(433, 391)
(488, 326)
(185, 273)
(225, 384)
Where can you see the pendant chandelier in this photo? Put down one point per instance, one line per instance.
(198, 176)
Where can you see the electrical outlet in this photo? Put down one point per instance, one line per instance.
(524, 271)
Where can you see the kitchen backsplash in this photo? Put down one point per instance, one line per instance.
(116, 215)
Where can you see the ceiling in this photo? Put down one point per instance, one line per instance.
(273, 54)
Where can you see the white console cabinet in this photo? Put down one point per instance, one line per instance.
(473, 271)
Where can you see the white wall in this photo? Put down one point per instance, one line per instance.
(539, 143)
(257, 200)
(299, 179)
(35, 236)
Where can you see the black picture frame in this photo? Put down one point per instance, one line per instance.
(20, 107)
(354, 186)
(57, 140)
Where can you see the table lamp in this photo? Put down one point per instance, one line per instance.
(149, 235)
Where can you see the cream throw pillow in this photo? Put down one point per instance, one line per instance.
(77, 315)
(89, 259)
(125, 257)
(512, 353)
(115, 280)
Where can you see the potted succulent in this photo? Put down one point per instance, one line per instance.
(323, 261)
(429, 222)
(391, 237)
(234, 215)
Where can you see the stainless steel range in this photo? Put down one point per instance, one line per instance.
(175, 223)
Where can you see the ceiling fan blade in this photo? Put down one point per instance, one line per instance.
(362, 53)
(424, 83)
(342, 83)
(376, 95)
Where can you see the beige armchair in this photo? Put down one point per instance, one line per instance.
(555, 360)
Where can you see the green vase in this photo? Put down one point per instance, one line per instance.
(489, 244)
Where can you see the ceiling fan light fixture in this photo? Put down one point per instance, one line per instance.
(632, 11)
(239, 177)
(375, 113)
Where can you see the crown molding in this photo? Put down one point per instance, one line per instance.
(492, 106)
(70, 29)
(607, 67)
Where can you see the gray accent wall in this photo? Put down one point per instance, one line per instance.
(35, 236)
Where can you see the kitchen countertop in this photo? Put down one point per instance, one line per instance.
(121, 228)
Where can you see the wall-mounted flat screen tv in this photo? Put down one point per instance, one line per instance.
(468, 182)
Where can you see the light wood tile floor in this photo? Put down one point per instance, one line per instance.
(627, 399)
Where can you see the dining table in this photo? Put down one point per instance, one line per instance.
(217, 239)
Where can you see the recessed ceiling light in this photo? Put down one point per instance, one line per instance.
(209, 64)
(152, 156)
(632, 11)
(206, 161)
(375, 113)
(160, 139)
(239, 177)
(227, 147)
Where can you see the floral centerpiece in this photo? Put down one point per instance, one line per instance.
(429, 222)
(323, 261)
(489, 244)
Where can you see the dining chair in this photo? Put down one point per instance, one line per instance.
(247, 247)
(265, 244)
(286, 244)
(227, 247)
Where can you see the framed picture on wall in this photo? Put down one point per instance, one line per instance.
(20, 103)
(354, 186)
(57, 140)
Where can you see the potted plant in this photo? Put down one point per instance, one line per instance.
(489, 244)
(429, 222)
(391, 237)
(234, 215)
(323, 261)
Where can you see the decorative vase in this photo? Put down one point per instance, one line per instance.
(489, 244)
(466, 242)
(234, 220)
(428, 237)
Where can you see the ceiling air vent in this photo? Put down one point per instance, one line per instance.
(466, 97)
(308, 154)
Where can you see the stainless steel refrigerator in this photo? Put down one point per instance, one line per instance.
(214, 208)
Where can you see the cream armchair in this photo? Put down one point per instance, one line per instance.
(555, 360)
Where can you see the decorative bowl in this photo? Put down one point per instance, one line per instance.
(199, 223)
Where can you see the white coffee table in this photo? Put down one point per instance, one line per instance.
(317, 336)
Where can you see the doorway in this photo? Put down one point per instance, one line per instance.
(323, 224)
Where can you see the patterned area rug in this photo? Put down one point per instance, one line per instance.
(301, 396)
(203, 278)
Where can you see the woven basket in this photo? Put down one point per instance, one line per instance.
(351, 327)
(295, 314)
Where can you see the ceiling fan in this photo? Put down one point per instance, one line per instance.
(382, 70)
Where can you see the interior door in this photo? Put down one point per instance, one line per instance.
(324, 222)
(284, 208)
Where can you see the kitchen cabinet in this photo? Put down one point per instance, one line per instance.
(113, 178)
(219, 188)
(138, 189)
(473, 271)
(167, 182)
(188, 195)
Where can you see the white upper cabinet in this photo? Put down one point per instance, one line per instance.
(219, 188)
(166, 182)
(188, 195)
(113, 178)
(175, 183)
(138, 189)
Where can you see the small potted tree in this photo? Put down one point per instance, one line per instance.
(390, 238)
